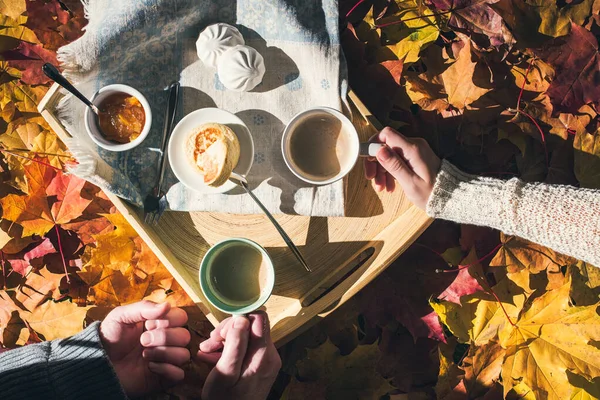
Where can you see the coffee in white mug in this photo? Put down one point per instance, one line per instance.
(319, 146)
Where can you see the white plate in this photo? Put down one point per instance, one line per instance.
(187, 173)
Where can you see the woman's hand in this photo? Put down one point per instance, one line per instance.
(149, 359)
(409, 161)
(246, 361)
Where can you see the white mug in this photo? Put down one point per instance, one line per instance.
(355, 149)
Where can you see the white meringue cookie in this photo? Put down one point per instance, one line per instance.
(215, 40)
(241, 68)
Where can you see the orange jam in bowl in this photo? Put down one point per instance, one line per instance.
(122, 118)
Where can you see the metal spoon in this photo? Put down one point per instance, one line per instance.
(53, 73)
(243, 182)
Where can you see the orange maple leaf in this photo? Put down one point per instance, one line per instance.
(52, 199)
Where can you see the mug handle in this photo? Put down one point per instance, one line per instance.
(370, 149)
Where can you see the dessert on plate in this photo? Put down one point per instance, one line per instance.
(214, 150)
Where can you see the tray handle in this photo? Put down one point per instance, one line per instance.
(350, 268)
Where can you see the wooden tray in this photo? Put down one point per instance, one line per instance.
(344, 253)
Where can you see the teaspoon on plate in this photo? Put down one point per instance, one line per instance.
(243, 182)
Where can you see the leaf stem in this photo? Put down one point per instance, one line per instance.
(354, 7)
(62, 255)
(529, 116)
(460, 267)
(411, 19)
(3, 270)
(541, 134)
(523, 86)
(38, 153)
(28, 158)
(501, 305)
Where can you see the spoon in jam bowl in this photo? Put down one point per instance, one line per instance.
(117, 118)
(53, 73)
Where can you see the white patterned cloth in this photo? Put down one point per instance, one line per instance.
(147, 44)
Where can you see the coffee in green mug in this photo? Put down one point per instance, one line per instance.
(237, 276)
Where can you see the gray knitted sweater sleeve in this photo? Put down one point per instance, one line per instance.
(73, 368)
(564, 218)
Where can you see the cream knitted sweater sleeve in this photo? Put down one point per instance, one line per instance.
(564, 218)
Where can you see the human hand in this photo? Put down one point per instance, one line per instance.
(248, 364)
(150, 359)
(410, 161)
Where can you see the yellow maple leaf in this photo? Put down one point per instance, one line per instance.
(517, 254)
(583, 389)
(12, 30)
(417, 30)
(549, 338)
(48, 144)
(56, 320)
(114, 249)
(31, 212)
(12, 8)
(458, 80)
(114, 288)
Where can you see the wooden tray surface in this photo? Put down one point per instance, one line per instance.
(344, 253)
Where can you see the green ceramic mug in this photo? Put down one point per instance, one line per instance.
(237, 276)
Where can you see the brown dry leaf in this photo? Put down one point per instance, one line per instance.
(538, 79)
(458, 80)
(17, 244)
(549, 338)
(56, 320)
(482, 368)
(577, 123)
(427, 92)
(327, 374)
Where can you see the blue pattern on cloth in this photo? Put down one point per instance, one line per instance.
(142, 43)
